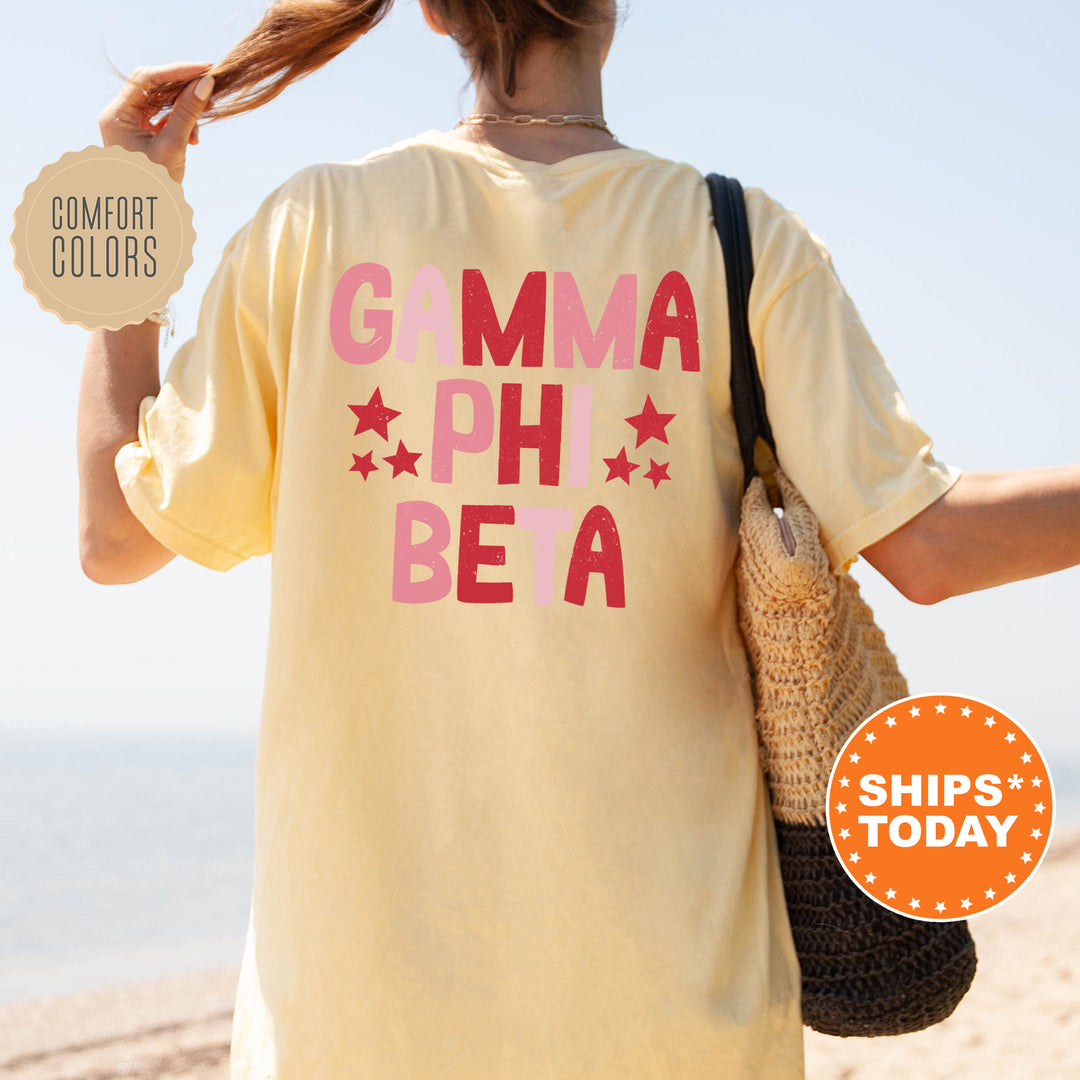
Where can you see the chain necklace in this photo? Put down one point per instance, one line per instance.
(523, 119)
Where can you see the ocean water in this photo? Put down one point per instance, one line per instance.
(128, 856)
(122, 856)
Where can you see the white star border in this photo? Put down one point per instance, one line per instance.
(992, 895)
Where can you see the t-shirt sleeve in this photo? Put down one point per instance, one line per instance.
(844, 434)
(201, 474)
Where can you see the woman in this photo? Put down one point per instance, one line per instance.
(472, 393)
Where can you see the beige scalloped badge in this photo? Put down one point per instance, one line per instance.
(103, 237)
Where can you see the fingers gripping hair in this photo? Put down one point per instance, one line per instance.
(293, 39)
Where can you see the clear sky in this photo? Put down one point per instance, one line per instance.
(932, 145)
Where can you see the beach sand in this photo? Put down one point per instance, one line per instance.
(177, 1027)
(1021, 1018)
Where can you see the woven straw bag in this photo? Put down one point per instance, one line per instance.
(820, 667)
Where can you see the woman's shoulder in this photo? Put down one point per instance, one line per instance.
(373, 166)
(309, 183)
(780, 237)
(784, 248)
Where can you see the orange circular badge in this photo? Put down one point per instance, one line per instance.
(940, 807)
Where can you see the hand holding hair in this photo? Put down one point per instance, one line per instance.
(128, 120)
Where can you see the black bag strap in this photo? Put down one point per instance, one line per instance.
(747, 393)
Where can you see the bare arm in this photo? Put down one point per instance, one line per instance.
(121, 366)
(988, 529)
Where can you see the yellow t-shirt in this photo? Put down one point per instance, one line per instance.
(510, 823)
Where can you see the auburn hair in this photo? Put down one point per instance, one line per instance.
(296, 37)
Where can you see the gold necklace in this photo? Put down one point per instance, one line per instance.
(523, 119)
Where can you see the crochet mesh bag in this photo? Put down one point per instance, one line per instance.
(820, 667)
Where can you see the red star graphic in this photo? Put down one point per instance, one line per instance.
(657, 473)
(619, 468)
(374, 416)
(649, 423)
(402, 460)
(364, 465)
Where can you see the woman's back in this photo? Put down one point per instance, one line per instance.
(510, 816)
(510, 819)
(507, 794)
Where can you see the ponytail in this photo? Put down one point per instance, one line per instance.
(295, 37)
